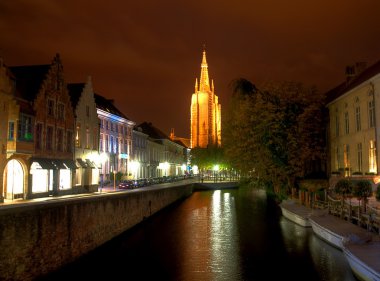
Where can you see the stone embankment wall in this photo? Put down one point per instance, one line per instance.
(39, 237)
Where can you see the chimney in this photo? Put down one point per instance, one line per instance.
(354, 70)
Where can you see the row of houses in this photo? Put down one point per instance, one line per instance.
(63, 138)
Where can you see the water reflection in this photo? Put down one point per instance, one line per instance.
(330, 262)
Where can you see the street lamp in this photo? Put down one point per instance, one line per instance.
(134, 167)
(166, 167)
(216, 169)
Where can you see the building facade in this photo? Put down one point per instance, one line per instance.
(140, 159)
(39, 151)
(115, 140)
(169, 155)
(205, 111)
(354, 128)
(86, 135)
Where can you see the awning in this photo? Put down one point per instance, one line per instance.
(91, 164)
(69, 163)
(82, 163)
(59, 164)
(45, 163)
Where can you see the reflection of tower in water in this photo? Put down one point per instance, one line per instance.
(214, 238)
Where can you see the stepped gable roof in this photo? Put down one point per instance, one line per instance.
(29, 80)
(346, 86)
(108, 106)
(151, 131)
(75, 92)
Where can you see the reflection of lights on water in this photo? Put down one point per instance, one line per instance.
(224, 237)
(329, 261)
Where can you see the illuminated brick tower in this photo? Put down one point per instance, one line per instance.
(205, 111)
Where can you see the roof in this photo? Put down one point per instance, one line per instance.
(29, 80)
(75, 92)
(151, 131)
(346, 86)
(182, 141)
(108, 106)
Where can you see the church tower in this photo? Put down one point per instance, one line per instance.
(205, 111)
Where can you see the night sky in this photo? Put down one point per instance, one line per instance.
(146, 54)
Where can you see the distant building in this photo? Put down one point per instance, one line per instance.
(166, 157)
(139, 157)
(354, 130)
(205, 112)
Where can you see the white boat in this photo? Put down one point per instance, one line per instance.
(325, 234)
(363, 260)
(298, 215)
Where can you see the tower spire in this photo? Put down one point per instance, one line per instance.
(204, 81)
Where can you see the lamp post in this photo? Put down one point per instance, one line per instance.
(216, 169)
(102, 159)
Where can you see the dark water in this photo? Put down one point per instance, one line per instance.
(214, 235)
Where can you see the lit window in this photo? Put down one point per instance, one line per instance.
(77, 136)
(372, 157)
(24, 132)
(346, 159)
(101, 142)
(360, 157)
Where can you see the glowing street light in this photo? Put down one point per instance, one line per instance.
(216, 169)
(134, 167)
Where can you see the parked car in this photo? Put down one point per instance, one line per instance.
(126, 184)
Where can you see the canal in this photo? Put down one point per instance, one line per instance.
(228, 235)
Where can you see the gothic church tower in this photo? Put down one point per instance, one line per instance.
(205, 111)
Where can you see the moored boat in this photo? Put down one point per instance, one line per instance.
(325, 234)
(363, 259)
(296, 213)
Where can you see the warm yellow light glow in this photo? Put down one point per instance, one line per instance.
(216, 168)
(15, 176)
(195, 170)
(205, 112)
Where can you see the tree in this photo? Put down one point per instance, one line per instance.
(272, 132)
(206, 158)
(343, 188)
(362, 190)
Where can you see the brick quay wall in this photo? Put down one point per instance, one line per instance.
(39, 237)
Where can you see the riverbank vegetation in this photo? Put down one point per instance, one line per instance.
(275, 134)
